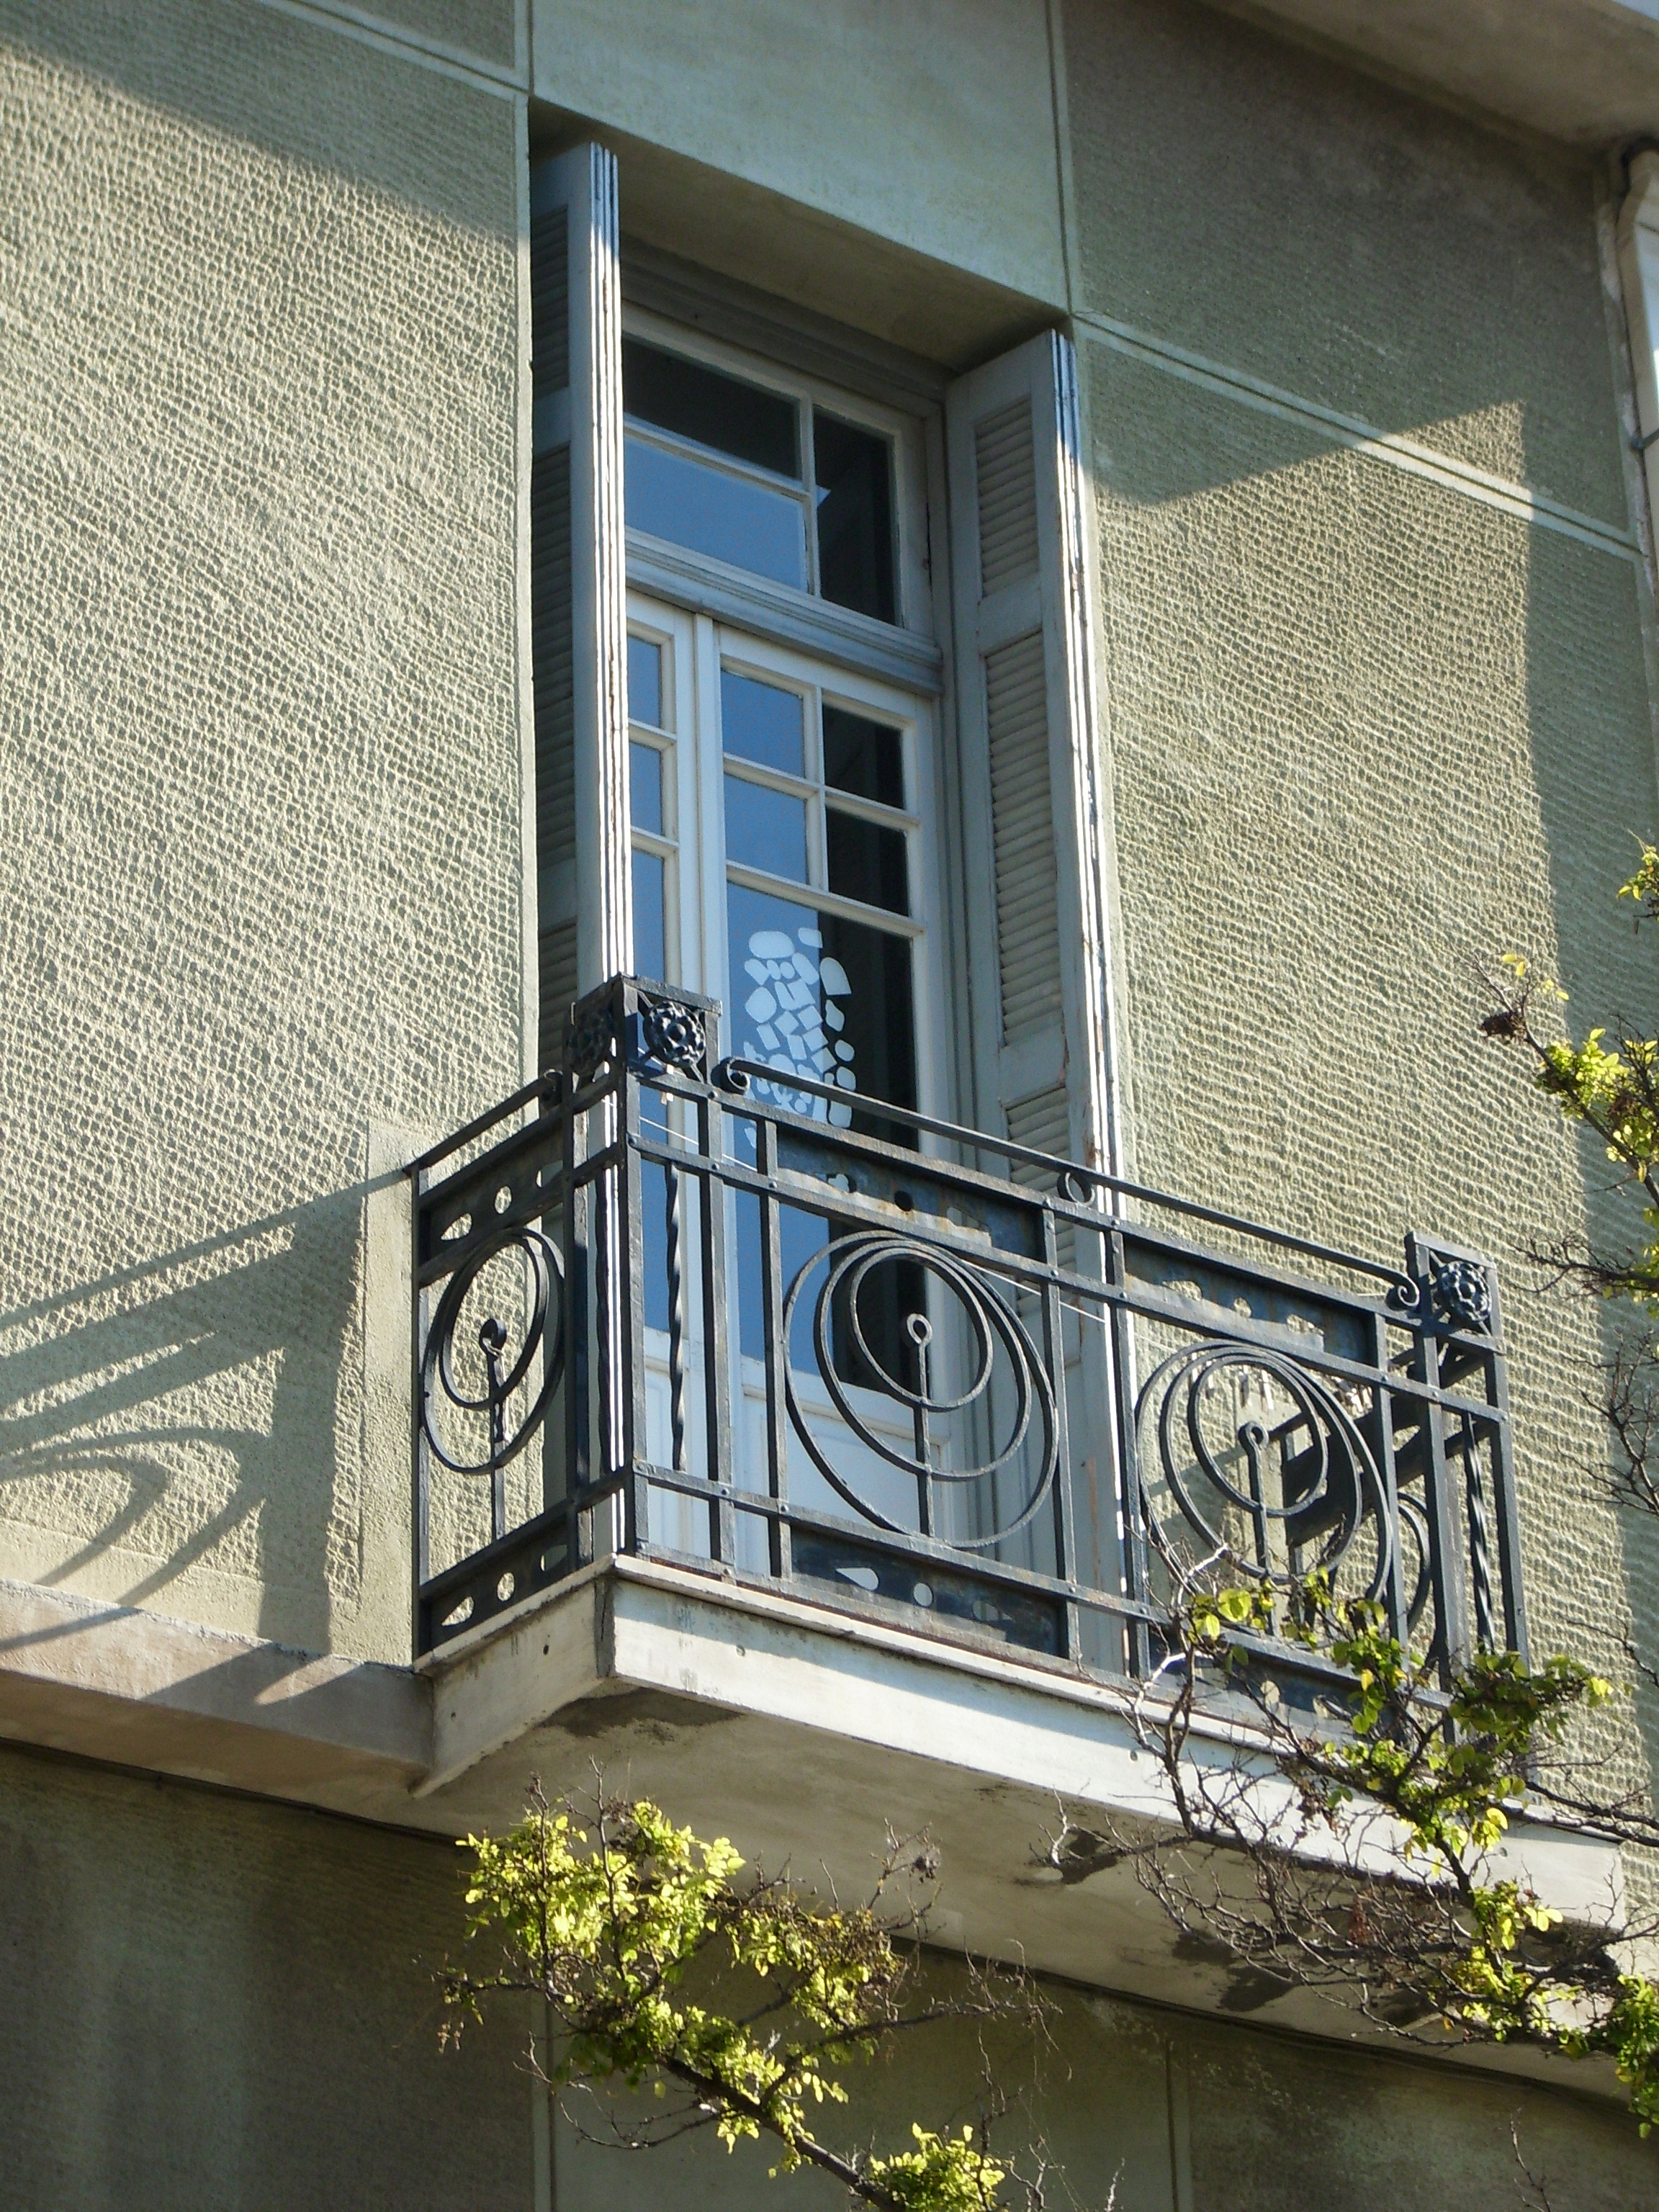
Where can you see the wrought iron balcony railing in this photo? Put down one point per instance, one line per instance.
(726, 1317)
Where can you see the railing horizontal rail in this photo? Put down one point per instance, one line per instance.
(734, 1072)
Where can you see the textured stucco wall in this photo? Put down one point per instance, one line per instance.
(260, 772)
(213, 2003)
(1285, 215)
(1364, 728)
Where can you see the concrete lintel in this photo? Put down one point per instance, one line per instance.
(117, 1683)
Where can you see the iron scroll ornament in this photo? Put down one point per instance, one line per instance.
(1328, 1490)
(437, 1364)
(851, 1260)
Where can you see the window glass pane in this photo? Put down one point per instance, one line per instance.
(866, 758)
(824, 998)
(868, 861)
(645, 682)
(760, 722)
(650, 909)
(741, 419)
(706, 510)
(854, 470)
(765, 828)
(645, 787)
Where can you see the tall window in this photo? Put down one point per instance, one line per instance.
(782, 796)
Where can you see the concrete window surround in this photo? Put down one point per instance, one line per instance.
(717, 1699)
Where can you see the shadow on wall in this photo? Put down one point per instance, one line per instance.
(292, 89)
(188, 1416)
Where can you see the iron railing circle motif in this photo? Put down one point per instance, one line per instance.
(437, 1364)
(848, 1261)
(1339, 1490)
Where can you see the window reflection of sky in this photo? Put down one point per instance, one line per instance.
(706, 510)
(765, 828)
(762, 722)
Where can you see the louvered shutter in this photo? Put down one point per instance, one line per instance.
(1025, 705)
(578, 602)
(1638, 263)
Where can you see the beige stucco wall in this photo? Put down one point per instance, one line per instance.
(260, 886)
(1365, 728)
(215, 2002)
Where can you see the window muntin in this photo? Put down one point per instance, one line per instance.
(654, 809)
(823, 985)
(774, 483)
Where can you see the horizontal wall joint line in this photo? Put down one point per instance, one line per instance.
(367, 29)
(1385, 445)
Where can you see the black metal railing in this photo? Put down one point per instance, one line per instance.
(724, 1316)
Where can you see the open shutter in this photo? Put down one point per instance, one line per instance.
(1638, 263)
(577, 586)
(1029, 769)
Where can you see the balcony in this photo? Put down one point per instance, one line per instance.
(702, 1313)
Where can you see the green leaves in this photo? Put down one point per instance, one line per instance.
(622, 1925)
(1450, 1767)
(944, 2173)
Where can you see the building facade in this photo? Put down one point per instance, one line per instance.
(1048, 578)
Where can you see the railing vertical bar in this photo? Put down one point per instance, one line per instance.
(627, 1241)
(1450, 1612)
(777, 1350)
(1381, 1441)
(1506, 1503)
(723, 1454)
(672, 1204)
(1131, 1505)
(1054, 1354)
(578, 1403)
(420, 1530)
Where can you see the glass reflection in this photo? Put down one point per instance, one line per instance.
(765, 828)
(645, 787)
(855, 473)
(815, 995)
(864, 758)
(694, 504)
(743, 420)
(650, 918)
(645, 682)
(868, 862)
(761, 722)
